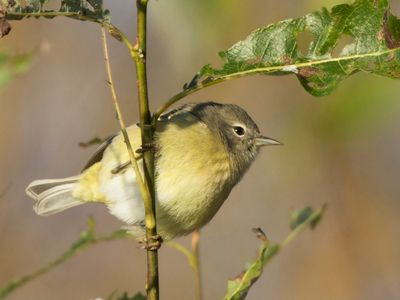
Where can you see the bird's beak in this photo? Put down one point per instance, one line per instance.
(266, 141)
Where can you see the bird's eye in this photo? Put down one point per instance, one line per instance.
(239, 130)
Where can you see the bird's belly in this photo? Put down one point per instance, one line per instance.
(187, 201)
(123, 197)
(184, 203)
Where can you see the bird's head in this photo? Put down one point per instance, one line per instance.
(236, 129)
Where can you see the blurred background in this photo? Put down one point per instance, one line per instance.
(342, 150)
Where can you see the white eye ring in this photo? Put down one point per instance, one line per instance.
(239, 130)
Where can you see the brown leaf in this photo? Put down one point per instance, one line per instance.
(11, 3)
(115, 34)
(307, 71)
(391, 41)
(5, 27)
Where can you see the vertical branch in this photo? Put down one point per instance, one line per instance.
(152, 287)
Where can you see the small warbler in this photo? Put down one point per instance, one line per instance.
(201, 152)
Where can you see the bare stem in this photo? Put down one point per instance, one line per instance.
(152, 286)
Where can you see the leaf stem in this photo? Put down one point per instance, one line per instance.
(152, 286)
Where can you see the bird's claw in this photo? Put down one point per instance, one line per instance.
(146, 147)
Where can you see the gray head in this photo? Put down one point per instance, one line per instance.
(236, 129)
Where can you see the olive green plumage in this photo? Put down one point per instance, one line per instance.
(201, 152)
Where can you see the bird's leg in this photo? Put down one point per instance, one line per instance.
(154, 243)
(148, 146)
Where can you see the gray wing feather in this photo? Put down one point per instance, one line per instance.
(98, 155)
(177, 111)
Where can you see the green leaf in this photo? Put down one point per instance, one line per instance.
(274, 50)
(83, 10)
(299, 216)
(241, 284)
(12, 64)
(90, 10)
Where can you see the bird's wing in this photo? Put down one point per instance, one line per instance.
(98, 154)
(116, 180)
(176, 111)
(134, 137)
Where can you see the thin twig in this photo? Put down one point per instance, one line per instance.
(182, 249)
(142, 185)
(83, 243)
(196, 264)
(193, 259)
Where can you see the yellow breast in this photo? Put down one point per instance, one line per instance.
(193, 175)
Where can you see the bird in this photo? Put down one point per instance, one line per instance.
(201, 151)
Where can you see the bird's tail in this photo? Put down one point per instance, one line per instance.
(53, 195)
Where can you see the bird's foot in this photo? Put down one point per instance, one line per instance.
(153, 244)
(146, 147)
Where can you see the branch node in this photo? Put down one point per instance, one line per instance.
(153, 243)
